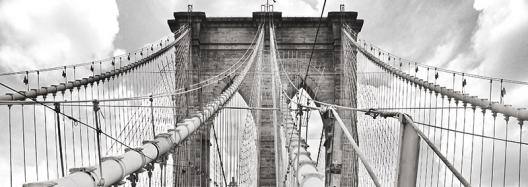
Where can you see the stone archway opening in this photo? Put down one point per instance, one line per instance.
(235, 146)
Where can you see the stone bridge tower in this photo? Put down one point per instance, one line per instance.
(217, 42)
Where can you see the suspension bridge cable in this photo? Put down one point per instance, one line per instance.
(94, 78)
(166, 38)
(315, 41)
(70, 118)
(497, 107)
(207, 82)
(195, 122)
(472, 134)
(443, 69)
(298, 111)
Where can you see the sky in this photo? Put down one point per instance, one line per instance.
(481, 36)
(485, 37)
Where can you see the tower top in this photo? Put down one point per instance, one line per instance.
(332, 18)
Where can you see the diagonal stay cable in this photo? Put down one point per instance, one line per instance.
(315, 41)
(472, 134)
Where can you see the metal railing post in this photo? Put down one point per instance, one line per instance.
(409, 154)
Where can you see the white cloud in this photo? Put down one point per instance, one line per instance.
(312, 3)
(38, 34)
(118, 52)
(442, 53)
(499, 38)
(41, 34)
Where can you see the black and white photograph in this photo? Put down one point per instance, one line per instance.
(264, 93)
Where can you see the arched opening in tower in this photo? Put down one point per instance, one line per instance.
(233, 145)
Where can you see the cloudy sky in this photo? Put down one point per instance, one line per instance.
(482, 36)
(487, 37)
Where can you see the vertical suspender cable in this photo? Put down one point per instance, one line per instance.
(482, 146)
(57, 112)
(72, 131)
(448, 133)
(507, 118)
(494, 114)
(441, 137)
(10, 147)
(473, 108)
(35, 140)
(455, 140)
(463, 138)
(219, 155)
(520, 151)
(46, 139)
(24, 142)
